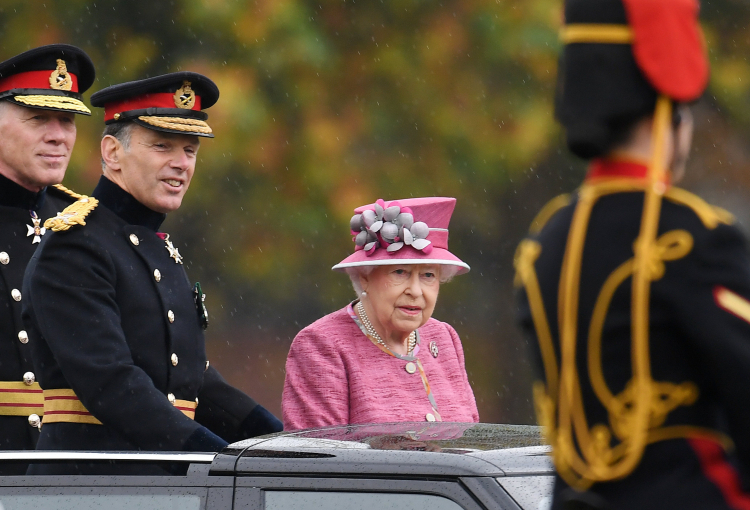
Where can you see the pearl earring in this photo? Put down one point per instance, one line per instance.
(363, 294)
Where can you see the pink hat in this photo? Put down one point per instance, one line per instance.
(410, 231)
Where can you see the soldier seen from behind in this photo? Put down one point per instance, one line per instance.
(635, 293)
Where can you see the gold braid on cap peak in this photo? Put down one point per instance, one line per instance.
(178, 124)
(596, 34)
(62, 102)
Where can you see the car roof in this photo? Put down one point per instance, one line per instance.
(403, 449)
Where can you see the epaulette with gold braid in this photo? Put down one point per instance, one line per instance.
(547, 212)
(710, 215)
(74, 214)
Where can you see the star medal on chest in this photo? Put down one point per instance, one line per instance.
(200, 305)
(35, 229)
(173, 252)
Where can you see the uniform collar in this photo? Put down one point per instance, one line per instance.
(618, 168)
(15, 195)
(125, 206)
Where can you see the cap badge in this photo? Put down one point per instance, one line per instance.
(184, 97)
(60, 78)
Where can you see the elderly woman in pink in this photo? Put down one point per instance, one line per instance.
(382, 358)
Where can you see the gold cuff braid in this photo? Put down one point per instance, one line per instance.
(596, 34)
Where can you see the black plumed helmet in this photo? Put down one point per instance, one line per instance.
(610, 76)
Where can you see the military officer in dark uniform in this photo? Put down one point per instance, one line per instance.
(635, 293)
(116, 325)
(40, 93)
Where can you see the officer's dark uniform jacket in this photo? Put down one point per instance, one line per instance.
(698, 445)
(19, 400)
(113, 317)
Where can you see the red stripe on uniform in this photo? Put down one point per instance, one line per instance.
(78, 413)
(720, 472)
(21, 391)
(21, 405)
(60, 398)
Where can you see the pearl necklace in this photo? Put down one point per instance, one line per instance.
(374, 334)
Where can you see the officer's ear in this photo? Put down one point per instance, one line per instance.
(111, 149)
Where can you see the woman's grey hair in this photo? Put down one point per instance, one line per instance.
(354, 274)
(446, 274)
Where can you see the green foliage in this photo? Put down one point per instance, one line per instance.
(332, 104)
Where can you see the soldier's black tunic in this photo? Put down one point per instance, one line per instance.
(16, 249)
(693, 339)
(113, 317)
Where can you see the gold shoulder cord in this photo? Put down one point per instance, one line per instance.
(74, 214)
(68, 191)
(584, 455)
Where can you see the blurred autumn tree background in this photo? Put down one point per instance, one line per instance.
(330, 104)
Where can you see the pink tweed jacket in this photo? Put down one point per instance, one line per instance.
(335, 376)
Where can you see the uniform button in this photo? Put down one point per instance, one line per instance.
(23, 337)
(206, 364)
(170, 316)
(29, 378)
(196, 400)
(157, 275)
(4, 258)
(174, 359)
(410, 367)
(171, 398)
(429, 417)
(16, 294)
(35, 420)
(134, 239)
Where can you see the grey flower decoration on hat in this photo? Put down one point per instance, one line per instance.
(364, 238)
(391, 226)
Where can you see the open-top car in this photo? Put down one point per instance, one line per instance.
(405, 466)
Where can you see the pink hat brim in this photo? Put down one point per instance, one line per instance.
(406, 255)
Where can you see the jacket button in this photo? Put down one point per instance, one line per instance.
(157, 275)
(170, 316)
(429, 417)
(171, 398)
(29, 378)
(23, 337)
(174, 359)
(15, 294)
(35, 421)
(207, 363)
(134, 239)
(410, 367)
(4, 258)
(196, 400)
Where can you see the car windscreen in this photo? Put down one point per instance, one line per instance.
(530, 492)
(99, 501)
(329, 500)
